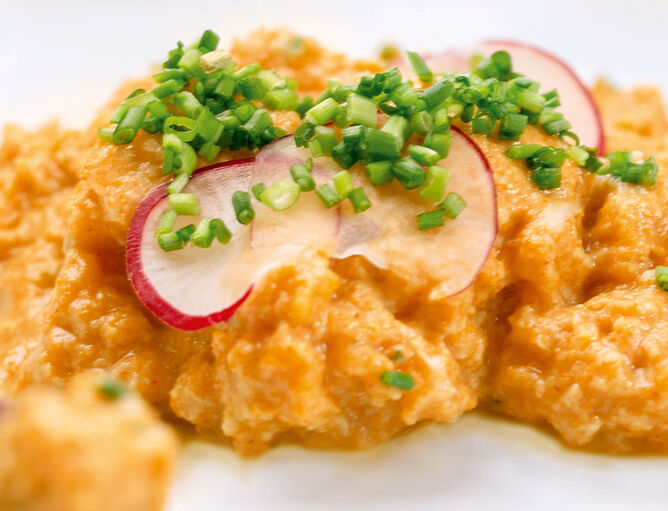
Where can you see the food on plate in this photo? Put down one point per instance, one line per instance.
(94, 445)
(277, 244)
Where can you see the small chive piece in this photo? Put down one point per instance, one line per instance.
(361, 110)
(184, 203)
(242, 207)
(381, 146)
(281, 99)
(409, 173)
(322, 112)
(397, 379)
(170, 241)
(127, 129)
(547, 178)
(326, 138)
(185, 233)
(203, 235)
(281, 195)
(258, 189)
(106, 134)
(421, 70)
(453, 205)
(398, 126)
(431, 219)
(220, 231)
(436, 183)
(522, 151)
(422, 122)
(259, 121)
(178, 183)
(661, 273)
(184, 128)
(439, 142)
(512, 126)
(302, 176)
(112, 389)
(167, 221)
(379, 172)
(359, 200)
(343, 183)
(327, 195)
(423, 155)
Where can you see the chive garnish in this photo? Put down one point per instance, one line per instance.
(242, 207)
(397, 379)
(661, 273)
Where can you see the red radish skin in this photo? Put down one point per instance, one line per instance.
(550, 71)
(144, 288)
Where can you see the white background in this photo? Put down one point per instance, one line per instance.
(63, 59)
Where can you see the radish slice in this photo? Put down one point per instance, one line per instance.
(193, 288)
(387, 234)
(307, 225)
(550, 71)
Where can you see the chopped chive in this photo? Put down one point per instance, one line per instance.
(650, 172)
(281, 195)
(512, 126)
(530, 101)
(453, 205)
(326, 137)
(220, 231)
(359, 200)
(522, 151)
(379, 172)
(421, 70)
(170, 241)
(112, 389)
(242, 207)
(578, 154)
(343, 155)
(437, 93)
(483, 125)
(185, 233)
(439, 142)
(397, 379)
(422, 122)
(343, 183)
(316, 148)
(252, 88)
(225, 87)
(168, 88)
(556, 126)
(106, 134)
(209, 150)
(127, 129)
(423, 155)
(409, 173)
(188, 103)
(259, 121)
(258, 189)
(661, 273)
(404, 95)
(398, 126)
(190, 63)
(304, 133)
(436, 183)
(207, 126)
(178, 183)
(270, 80)
(327, 195)
(547, 178)
(322, 112)
(203, 235)
(302, 176)
(184, 203)
(167, 221)
(244, 111)
(119, 113)
(182, 127)
(361, 110)
(281, 99)
(353, 136)
(431, 219)
(304, 106)
(381, 145)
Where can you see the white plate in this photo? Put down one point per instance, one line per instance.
(64, 61)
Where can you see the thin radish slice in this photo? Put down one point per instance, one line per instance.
(550, 71)
(193, 288)
(387, 234)
(306, 225)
